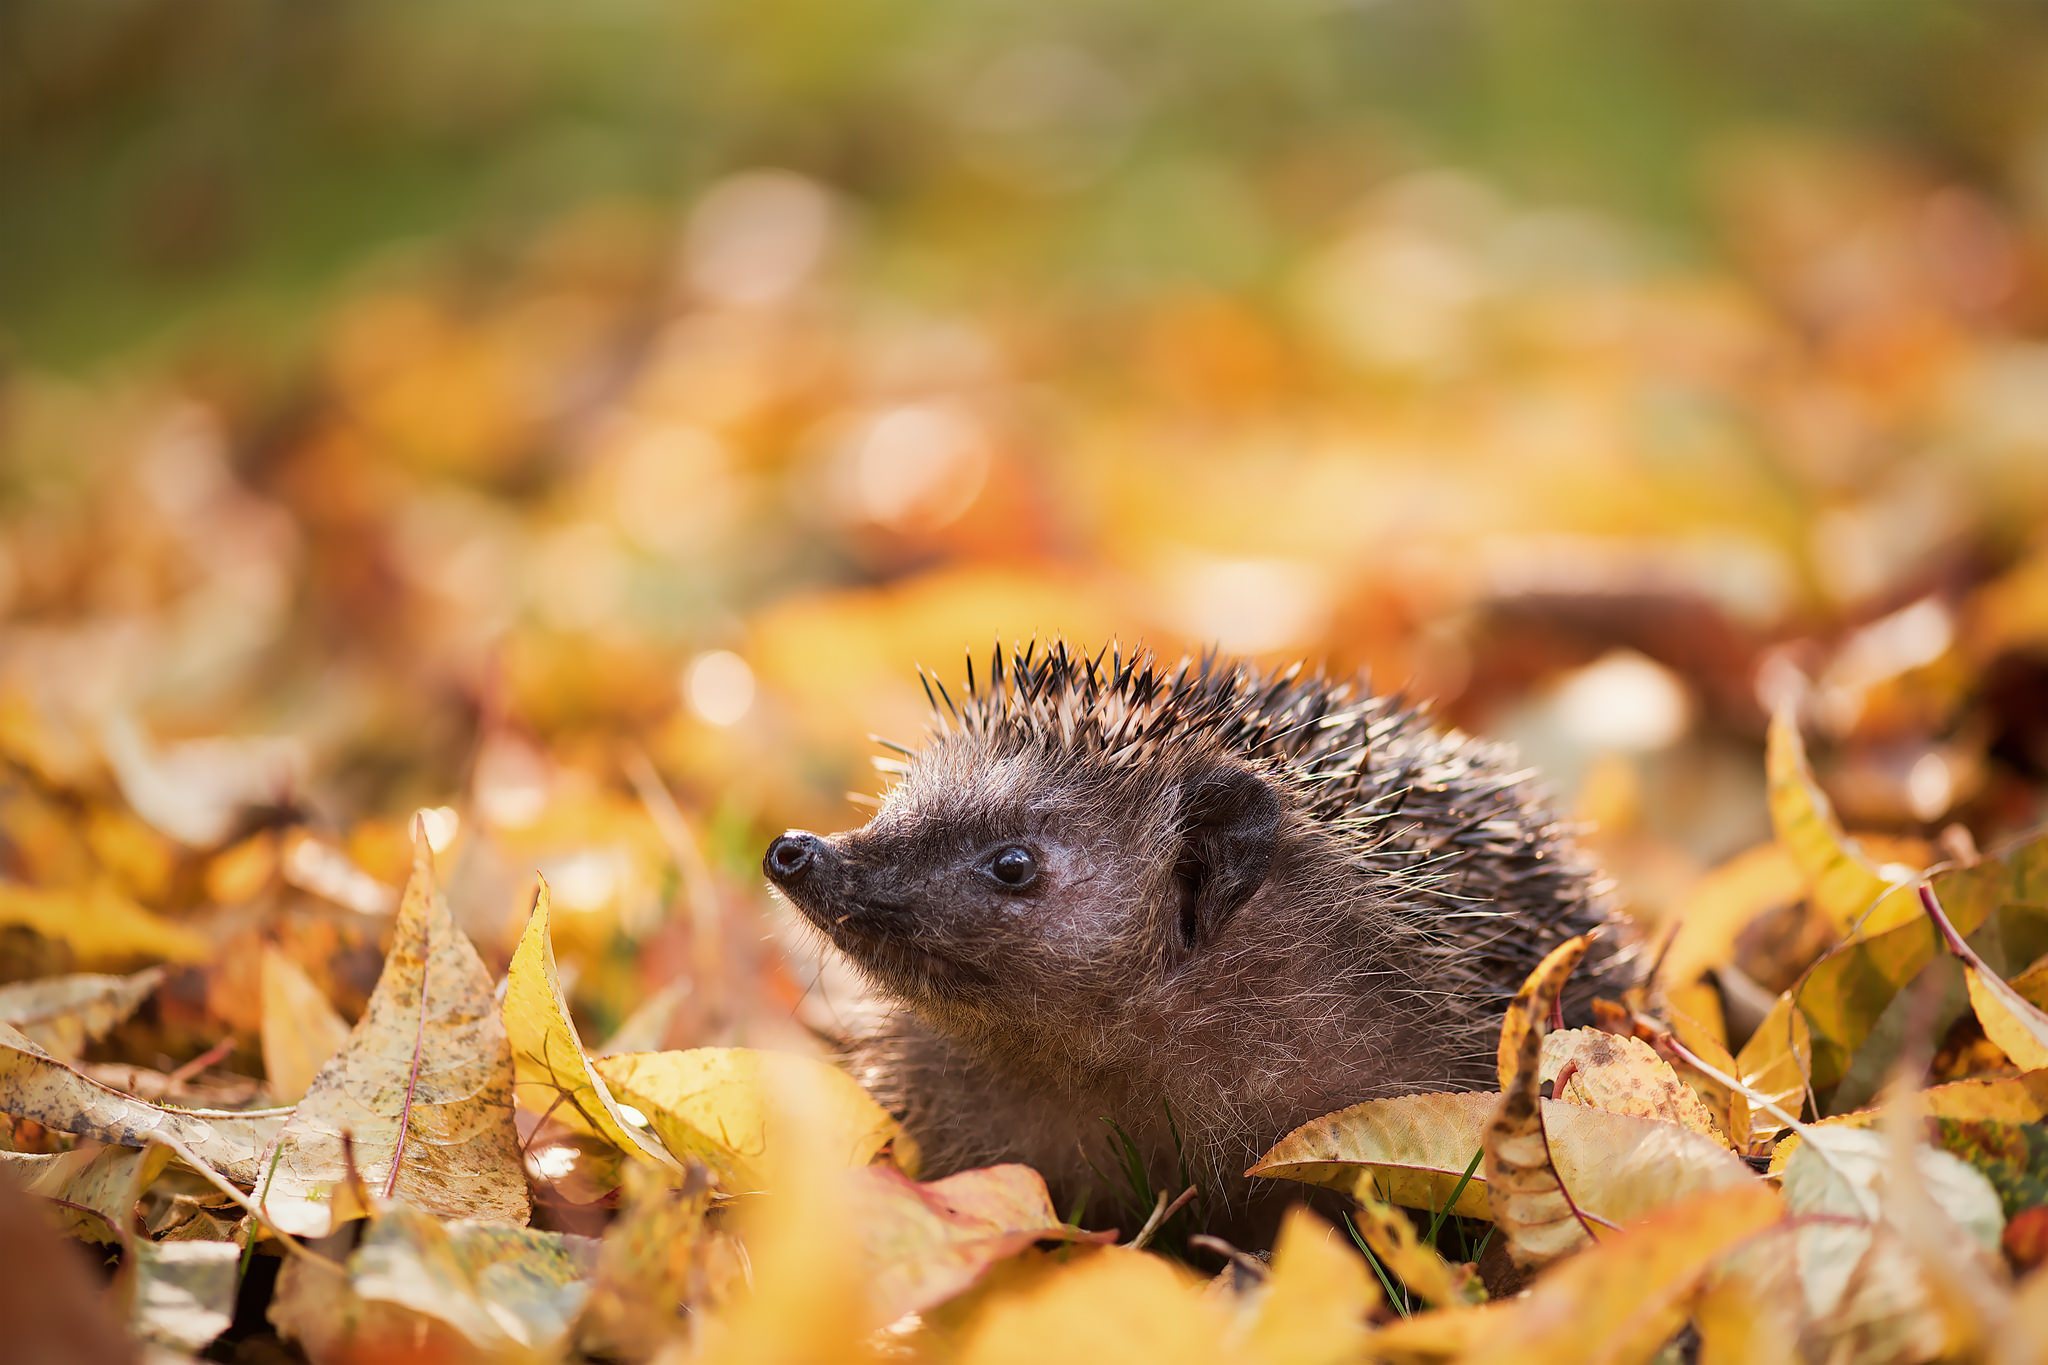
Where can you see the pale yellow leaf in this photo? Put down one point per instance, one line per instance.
(61, 1014)
(35, 1085)
(726, 1107)
(422, 1089)
(1392, 1237)
(1775, 1065)
(182, 1293)
(552, 1071)
(301, 1030)
(106, 1180)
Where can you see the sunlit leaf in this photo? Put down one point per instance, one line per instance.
(61, 1014)
(2009, 1019)
(1312, 1308)
(101, 927)
(101, 1185)
(1532, 1205)
(1393, 1238)
(1622, 1074)
(723, 1107)
(421, 1093)
(1107, 1304)
(552, 1071)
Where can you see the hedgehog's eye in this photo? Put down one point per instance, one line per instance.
(1012, 868)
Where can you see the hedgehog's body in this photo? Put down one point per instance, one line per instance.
(1206, 904)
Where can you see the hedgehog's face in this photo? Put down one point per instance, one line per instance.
(1002, 883)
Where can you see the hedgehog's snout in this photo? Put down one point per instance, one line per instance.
(793, 857)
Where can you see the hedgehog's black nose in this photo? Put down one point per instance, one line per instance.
(792, 855)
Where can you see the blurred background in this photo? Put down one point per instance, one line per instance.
(578, 419)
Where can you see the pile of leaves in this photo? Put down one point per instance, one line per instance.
(456, 1174)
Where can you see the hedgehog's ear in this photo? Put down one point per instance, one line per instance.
(1230, 821)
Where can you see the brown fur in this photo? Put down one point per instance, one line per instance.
(1258, 898)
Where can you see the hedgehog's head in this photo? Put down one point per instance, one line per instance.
(1021, 866)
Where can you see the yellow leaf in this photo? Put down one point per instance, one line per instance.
(1845, 885)
(1721, 905)
(1393, 1239)
(2010, 1020)
(1776, 1064)
(102, 927)
(1728, 1105)
(550, 1066)
(1312, 1309)
(300, 1028)
(922, 1244)
(421, 1093)
(1624, 1298)
(1109, 1304)
(658, 1266)
(61, 1014)
(35, 1085)
(1624, 1075)
(725, 1107)
(2002, 1099)
(1413, 1149)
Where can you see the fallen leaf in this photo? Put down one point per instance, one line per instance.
(720, 1106)
(657, 1265)
(106, 1181)
(1107, 1304)
(1418, 1265)
(61, 1014)
(301, 1030)
(422, 1089)
(1844, 883)
(2009, 1019)
(1775, 1066)
(35, 1085)
(101, 926)
(182, 1294)
(1623, 1075)
(1532, 1205)
(484, 1290)
(1711, 918)
(1312, 1308)
(550, 1067)
(922, 1244)
(1622, 1299)
(1415, 1149)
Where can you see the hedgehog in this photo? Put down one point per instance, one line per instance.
(1135, 922)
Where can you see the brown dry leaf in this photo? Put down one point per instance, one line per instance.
(1624, 1075)
(301, 1030)
(35, 1085)
(1846, 885)
(1418, 1265)
(1312, 1309)
(101, 926)
(482, 1290)
(1531, 1205)
(61, 1014)
(1624, 1298)
(105, 1180)
(1108, 1304)
(922, 1244)
(551, 1069)
(423, 1087)
(723, 1107)
(181, 1294)
(1414, 1150)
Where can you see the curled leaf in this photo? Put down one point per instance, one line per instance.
(1531, 1204)
(61, 1014)
(1845, 884)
